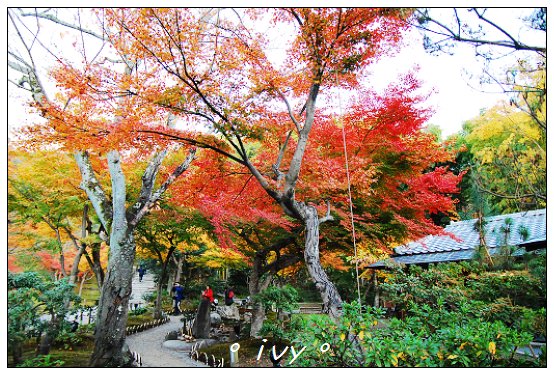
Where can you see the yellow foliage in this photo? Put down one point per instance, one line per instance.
(492, 348)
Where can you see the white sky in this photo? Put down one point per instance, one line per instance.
(454, 101)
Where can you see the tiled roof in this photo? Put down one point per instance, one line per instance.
(463, 238)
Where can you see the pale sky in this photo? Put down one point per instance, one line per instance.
(454, 101)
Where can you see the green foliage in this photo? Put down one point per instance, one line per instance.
(22, 312)
(429, 337)
(453, 283)
(459, 314)
(272, 328)
(302, 281)
(278, 298)
(438, 283)
(50, 203)
(29, 297)
(67, 339)
(519, 287)
(42, 361)
(138, 311)
(150, 297)
(537, 267)
(506, 150)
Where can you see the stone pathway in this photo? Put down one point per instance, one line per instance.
(141, 288)
(149, 344)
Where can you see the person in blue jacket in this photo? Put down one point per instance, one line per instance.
(178, 295)
(141, 271)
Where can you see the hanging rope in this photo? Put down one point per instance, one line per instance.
(349, 192)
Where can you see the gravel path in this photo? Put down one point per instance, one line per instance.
(149, 345)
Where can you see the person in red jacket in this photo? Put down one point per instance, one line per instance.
(208, 294)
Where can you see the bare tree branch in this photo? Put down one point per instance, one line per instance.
(91, 185)
(328, 216)
(148, 181)
(55, 19)
(448, 33)
(162, 189)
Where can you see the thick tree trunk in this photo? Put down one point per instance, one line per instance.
(179, 268)
(158, 307)
(109, 343)
(257, 320)
(170, 281)
(255, 286)
(114, 303)
(159, 287)
(111, 320)
(332, 302)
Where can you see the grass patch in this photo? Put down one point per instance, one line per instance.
(307, 318)
(90, 293)
(139, 319)
(74, 358)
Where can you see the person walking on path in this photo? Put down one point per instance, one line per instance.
(141, 271)
(178, 295)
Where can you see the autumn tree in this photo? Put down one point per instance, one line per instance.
(248, 229)
(92, 123)
(507, 157)
(54, 199)
(396, 185)
(219, 73)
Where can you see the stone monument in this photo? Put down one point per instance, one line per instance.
(202, 323)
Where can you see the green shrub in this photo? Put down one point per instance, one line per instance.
(429, 337)
(150, 297)
(280, 299)
(138, 311)
(277, 299)
(520, 287)
(42, 361)
(29, 297)
(67, 339)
